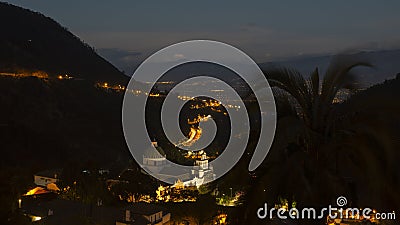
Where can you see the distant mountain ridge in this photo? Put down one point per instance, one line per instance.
(32, 41)
(386, 64)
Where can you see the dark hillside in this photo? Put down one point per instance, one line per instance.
(32, 41)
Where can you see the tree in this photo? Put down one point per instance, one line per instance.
(306, 123)
(313, 97)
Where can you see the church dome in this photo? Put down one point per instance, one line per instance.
(149, 153)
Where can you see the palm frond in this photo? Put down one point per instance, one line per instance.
(338, 75)
(315, 83)
(283, 103)
(293, 83)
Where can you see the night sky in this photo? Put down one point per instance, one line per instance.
(266, 30)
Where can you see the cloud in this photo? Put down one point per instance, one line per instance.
(126, 61)
(250, 38)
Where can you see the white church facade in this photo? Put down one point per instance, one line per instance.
(201, 173)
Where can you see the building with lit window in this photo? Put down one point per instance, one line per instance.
(44, 178)
(144, 214)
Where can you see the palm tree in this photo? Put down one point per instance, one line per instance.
(306, 119)
(313, 97)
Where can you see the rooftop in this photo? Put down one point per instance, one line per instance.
(54, 173)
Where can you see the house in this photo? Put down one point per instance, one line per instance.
(65, 212)
(46, 177)
(144, 214)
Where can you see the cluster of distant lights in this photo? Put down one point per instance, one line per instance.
(119, 87)
(206, 103)
(37, 74)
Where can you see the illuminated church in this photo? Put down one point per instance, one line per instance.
(153, 161)
(201, 173)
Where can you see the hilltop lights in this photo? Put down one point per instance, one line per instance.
(37, 74)
(108, 86)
